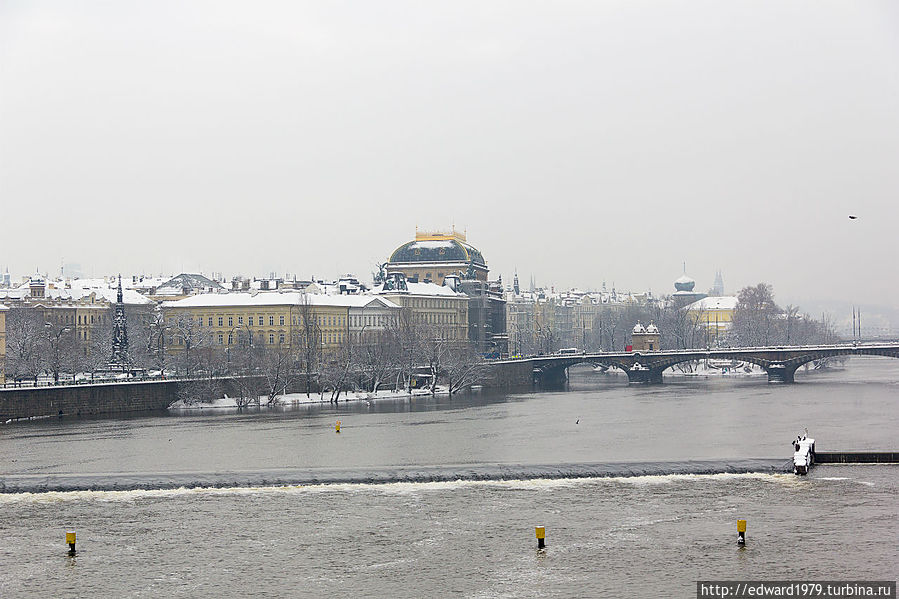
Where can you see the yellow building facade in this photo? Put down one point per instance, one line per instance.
(271, 319)
(715, 314)
(435, 306)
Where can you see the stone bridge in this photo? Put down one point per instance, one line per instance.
(779, 362)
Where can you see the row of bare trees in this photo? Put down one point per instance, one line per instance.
(397, 356)
(39, 345)
(757, 321)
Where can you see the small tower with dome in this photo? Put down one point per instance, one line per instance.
(645, 338)
(684, 290)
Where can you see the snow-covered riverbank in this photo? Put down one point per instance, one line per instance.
(291, 399)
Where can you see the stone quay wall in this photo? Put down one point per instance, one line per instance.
(83, 400)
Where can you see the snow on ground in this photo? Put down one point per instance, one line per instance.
(291, 399)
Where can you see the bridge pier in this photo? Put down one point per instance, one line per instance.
(778, 372)
(644, 376)
(551, 378)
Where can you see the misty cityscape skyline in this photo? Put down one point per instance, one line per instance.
(577, 143)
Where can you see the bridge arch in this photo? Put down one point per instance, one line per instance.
(780, 363)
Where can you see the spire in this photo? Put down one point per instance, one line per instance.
(120, 358)
(718, 286)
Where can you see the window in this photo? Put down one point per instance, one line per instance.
(271, 339)
(230, 321)
(281, 338)
(210, 321)
(230, 338)
(200, 322)
(220, 321)
(271, 321)
(240, 320)
(250, 321)
(281, 321)
(180, 341)
(220, 339)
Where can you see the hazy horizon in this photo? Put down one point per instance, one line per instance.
(577, 142)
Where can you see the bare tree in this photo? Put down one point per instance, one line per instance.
(277, 367)
(142, 326)
(404, 334)
(463, 367)
(25, 344)
(753, 315)
(190, 340)
(433, 350)
(377, 359)
(95, 353)
(245, 368)
(308, 342)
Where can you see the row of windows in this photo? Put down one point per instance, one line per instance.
(439, 318)
(329, 321)
(250, 321)
(329, 338)
(431, 303)
(271, 338)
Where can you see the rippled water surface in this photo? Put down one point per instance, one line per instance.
(651, 535)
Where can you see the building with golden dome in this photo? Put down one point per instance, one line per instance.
(434, 255)
(446, 259)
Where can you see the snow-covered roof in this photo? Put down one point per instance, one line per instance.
(275, 298)
(639, 328)
(80, 288)
(684, 279)
(2, 307)
(187, 281)
(110, 294)
(420, 289)
(725, 302)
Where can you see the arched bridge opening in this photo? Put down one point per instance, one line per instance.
(780, 363)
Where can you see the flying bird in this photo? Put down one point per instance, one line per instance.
(852, 217)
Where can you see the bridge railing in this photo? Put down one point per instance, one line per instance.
(704, 350)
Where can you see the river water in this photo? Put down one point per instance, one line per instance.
(619, 535)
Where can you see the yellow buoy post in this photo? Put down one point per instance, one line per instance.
(541, 536)
(70, 539)
(741, 532)
(337, 427)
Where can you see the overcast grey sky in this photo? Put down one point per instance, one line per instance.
(576, 141)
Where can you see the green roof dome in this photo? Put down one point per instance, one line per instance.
(437, 250)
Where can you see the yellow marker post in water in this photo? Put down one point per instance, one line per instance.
(541, 536)
(741, 532)
(70, 539)
(337, 427)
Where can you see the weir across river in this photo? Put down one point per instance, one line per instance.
(780, 362)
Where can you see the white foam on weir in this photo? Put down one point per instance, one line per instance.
(393, 488)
